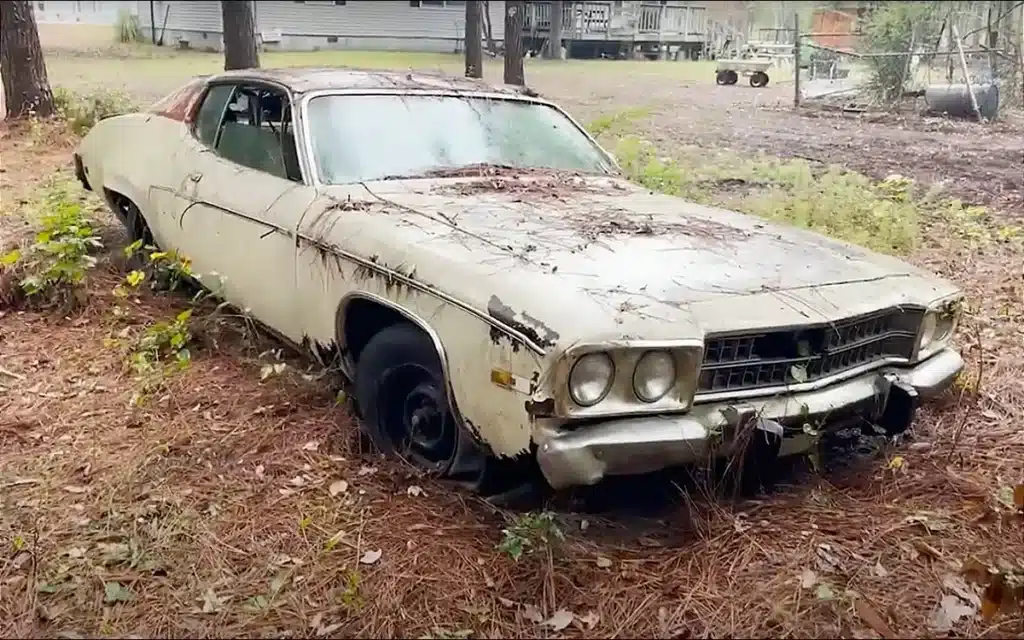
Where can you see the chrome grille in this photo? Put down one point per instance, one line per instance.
(805, 354)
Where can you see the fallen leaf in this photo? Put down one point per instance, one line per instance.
(948, 612)
(312, 445)
(872, 618)
(824, 592)
(414, 491)
(590, 620)
(297, 481)
(371, 557)
(72, 488)
(533, 614)
(338, 486)
(365, 470)
(1018, 496)
(878, 570)
(116, 592)
(896, 463)
(808, 578)
(560, 620)
(603, 562)
(211, 603)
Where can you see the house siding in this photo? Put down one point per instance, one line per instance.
(94, 12)
(361, 24)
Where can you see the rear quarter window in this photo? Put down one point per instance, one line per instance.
(180, 104)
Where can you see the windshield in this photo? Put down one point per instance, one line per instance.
(359, 138)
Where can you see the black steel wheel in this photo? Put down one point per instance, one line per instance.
(401, 393)
(721, 77)
(759, 79)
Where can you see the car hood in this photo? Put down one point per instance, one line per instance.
(605, 246)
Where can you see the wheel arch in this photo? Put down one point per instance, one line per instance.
(351, 343)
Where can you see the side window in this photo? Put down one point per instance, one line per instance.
(257, 132)
(210, 112)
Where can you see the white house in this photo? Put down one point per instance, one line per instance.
(400, 25)
(93, 12)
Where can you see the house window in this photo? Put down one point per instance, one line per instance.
(437, 3)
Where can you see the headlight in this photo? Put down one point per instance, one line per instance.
(936, 329)
(591, 378)
(654, 375)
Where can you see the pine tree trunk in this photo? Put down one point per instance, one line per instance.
(474, 46)
(240, 51)
(26, 86)
(514, 74)
(555, 41)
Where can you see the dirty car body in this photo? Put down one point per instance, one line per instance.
(498, 292)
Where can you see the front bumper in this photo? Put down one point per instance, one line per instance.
(639, 445)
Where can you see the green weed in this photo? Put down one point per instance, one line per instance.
(52, 268)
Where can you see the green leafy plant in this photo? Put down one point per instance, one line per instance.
(896, 27)
(83, 111)
(530, 533)
(53, 267)
(163, 342)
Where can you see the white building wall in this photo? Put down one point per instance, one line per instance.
(94, 12)
(297, 26)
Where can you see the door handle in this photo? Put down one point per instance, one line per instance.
(195, 177)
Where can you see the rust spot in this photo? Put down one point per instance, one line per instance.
(540, 408)
(535, 330)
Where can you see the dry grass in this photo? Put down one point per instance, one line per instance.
(209, 510)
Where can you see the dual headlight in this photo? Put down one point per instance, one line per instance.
(936, 329)
(593, 375)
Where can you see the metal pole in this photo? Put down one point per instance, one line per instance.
(796, 61)
(152, 20)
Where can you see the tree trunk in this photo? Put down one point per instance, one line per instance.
(26, 86)
(554, 48)
(240, 51)
(474, 46)
(514, 14)
(488, 31)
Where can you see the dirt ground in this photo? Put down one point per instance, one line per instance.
(235, 505)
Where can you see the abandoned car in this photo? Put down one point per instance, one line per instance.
(496, 291)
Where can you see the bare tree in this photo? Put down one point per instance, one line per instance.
(26, 86)
(474, 46)
(240, 50)
(554, 48)
(514, 15)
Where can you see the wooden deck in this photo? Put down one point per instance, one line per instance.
(627, 22)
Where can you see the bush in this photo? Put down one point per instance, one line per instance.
(83, 111)
(52, 268)
(895, 27)
(126, 28)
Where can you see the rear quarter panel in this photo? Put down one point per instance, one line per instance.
(129, 154)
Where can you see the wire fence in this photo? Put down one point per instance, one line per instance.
(833, 73)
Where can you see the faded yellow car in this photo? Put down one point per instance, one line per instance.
(498, 293)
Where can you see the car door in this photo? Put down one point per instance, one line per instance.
(241, 196)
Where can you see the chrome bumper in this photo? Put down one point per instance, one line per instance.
(640, 445)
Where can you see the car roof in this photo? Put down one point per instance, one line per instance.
(306, 79)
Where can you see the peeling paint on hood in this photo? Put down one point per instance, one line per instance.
(640, 258)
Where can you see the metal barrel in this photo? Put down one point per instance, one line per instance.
(954, 100)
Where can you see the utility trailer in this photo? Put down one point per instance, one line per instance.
(729, 71)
